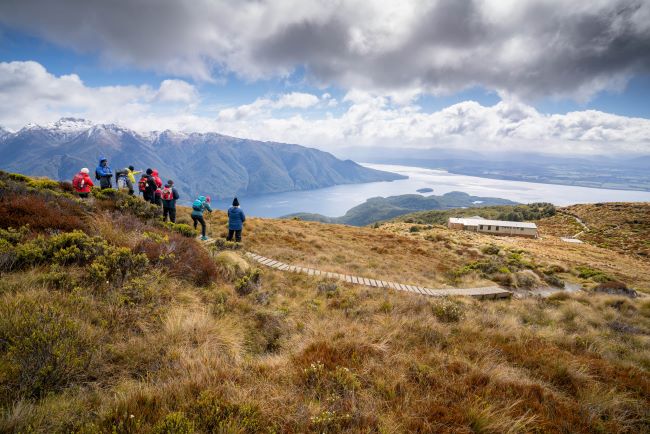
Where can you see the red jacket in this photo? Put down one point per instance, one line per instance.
(82, 183)
(156, 178)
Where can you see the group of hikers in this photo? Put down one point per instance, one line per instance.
(151, 187)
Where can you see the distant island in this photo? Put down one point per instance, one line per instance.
(378, 209)
(425, 190)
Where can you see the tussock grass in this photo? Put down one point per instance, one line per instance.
(159, 351)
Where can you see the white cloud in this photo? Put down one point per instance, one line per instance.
(29, 93)
(177, 91)
(296, 100)
(529, 48)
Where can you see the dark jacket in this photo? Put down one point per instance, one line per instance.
(171, 204)
(236, 218)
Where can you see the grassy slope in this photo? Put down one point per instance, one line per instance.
(297, 355)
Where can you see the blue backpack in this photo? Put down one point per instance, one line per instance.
(197, 205)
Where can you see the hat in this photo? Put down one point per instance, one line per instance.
(235, 202)
(207, 199)
(85, 170)
(170, 182)
(149, 171)
(131, 168)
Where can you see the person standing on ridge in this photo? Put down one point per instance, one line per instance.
(156, 178)
(236, 219)
(147, 186)
(82, 183)
(198, 206)
(169, 197)
(130, 176)
(103, 173)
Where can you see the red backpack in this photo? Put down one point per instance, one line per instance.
(78, 182)
(167, 193)
(142, 184)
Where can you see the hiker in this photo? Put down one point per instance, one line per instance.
(157, 196)
(130, 176)
(201, 204)
(169, 197)
(156, 178)
(236, 219)
(147, 186)
(103, 173)
(82, 183)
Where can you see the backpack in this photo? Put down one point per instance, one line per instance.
(167, 193)
(78, 182)
(142, 184)
(97, 177)
(197, 205)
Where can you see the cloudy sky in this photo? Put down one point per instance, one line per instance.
(545, 75)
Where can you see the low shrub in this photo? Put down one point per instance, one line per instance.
(42, 349)
(43, 184)
(116, 266)
(174, 423)
(526, 279)
(215, 415)
(266, 333)
(183, 229)
(553, 280)
(615, 287)
(248, 283)
(447, 311)
(40, 212)
(490, 249)
(231, 266)
(220, 244)
(324, 382)
(594, 274)
(328, 288)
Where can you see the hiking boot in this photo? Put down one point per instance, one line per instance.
(204, 238)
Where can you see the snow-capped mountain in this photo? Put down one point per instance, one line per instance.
(207, 163)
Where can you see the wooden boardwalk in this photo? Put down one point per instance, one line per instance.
(488, 292)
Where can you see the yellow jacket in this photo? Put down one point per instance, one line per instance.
(131, 174)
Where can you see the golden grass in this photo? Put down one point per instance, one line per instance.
(293, 357)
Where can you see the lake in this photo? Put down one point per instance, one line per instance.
(335, 201)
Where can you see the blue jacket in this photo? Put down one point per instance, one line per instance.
(103, 170)
(205, 206)
(236, 218)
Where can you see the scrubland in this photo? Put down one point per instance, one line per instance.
(111, 321)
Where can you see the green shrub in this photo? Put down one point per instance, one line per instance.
(17, 177)
(183, 229)
(248, 283)
(42, 350)
(136, 206)
(214, 415)
(490, 250)
(174, 423)
(58, 278)
(447, 311)
(116, 266)
(43, 184)
(413, 229)
(14, 236)
(553, 280)
(220, 244)
(596, 275)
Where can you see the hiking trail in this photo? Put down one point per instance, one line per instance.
(487, 292)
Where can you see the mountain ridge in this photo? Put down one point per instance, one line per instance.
(206, 163)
